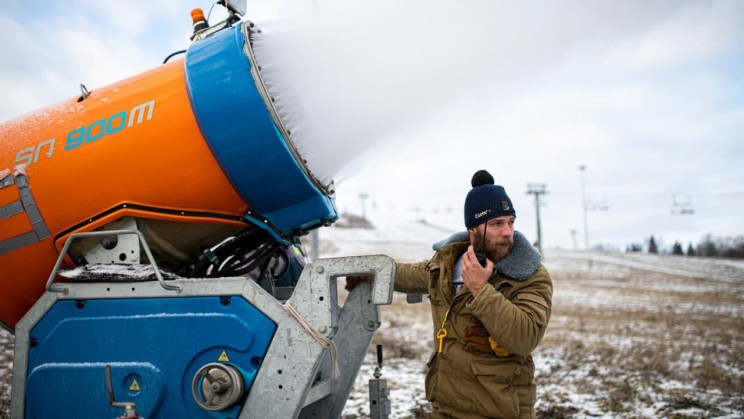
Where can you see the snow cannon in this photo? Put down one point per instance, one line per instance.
(190, 152)
(150, 256)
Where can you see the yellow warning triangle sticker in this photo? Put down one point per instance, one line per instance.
(134, 386)
(223, 357)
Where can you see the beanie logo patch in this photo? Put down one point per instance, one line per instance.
(482, 213)
(505, 205)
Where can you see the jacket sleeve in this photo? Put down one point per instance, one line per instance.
(518, 324)
(412, 278)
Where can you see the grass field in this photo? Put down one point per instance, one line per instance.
(627, 339)
(631, 336)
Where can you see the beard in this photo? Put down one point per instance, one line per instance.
(495, 249)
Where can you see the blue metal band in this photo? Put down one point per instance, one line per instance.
(237, 125)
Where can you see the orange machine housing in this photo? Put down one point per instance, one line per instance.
(141, 148)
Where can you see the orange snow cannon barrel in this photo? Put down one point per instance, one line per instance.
(192, 151)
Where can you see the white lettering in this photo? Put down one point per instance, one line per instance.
(31, 154)
(140, 112)
(482, 213)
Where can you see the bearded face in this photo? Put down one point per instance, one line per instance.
(499, 237)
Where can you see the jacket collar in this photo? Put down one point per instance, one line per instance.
(520, 263)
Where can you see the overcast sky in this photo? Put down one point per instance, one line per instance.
(413, 98)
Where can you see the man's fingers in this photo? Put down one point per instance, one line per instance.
(470, 256)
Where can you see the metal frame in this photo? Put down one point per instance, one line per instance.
(51, 287)
(295, 378)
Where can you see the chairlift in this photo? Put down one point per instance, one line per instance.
(682, 207)
(601, 206)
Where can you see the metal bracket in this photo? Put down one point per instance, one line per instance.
(50, 286)
(130, 408)
(125, 250)
(296, 376)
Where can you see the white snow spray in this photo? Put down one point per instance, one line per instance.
(350, 78)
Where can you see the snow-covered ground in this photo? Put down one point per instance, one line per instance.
(631, 335)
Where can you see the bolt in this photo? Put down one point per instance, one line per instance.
(319, 269)
(371, 323)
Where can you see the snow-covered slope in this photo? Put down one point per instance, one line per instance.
(625, 340)
(632, 335)
(404, 239)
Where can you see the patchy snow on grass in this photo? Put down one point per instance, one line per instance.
(631, 335)
(6, 367)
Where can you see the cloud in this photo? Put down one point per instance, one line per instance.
(54, 50)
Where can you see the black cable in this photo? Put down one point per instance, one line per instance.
(247, 238)
(261, 259)
(172, 55)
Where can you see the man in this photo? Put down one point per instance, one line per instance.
(488, 318)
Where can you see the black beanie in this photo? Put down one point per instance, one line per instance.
(486, 200)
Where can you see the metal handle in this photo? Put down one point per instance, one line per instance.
(50, 286)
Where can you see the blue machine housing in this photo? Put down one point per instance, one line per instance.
(258, 160)
(155, 346)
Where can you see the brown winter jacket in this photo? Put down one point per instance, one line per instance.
(468, 379)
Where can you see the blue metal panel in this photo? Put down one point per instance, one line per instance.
(154, 346)
(237, 125)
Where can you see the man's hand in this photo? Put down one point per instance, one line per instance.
(352, 281)
(475, 276)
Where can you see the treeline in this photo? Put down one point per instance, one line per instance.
(709, 246)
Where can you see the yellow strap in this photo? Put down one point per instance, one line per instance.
(445, 317)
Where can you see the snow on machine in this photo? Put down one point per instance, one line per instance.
(150, 263)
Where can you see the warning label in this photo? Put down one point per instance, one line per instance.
(134, 386)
